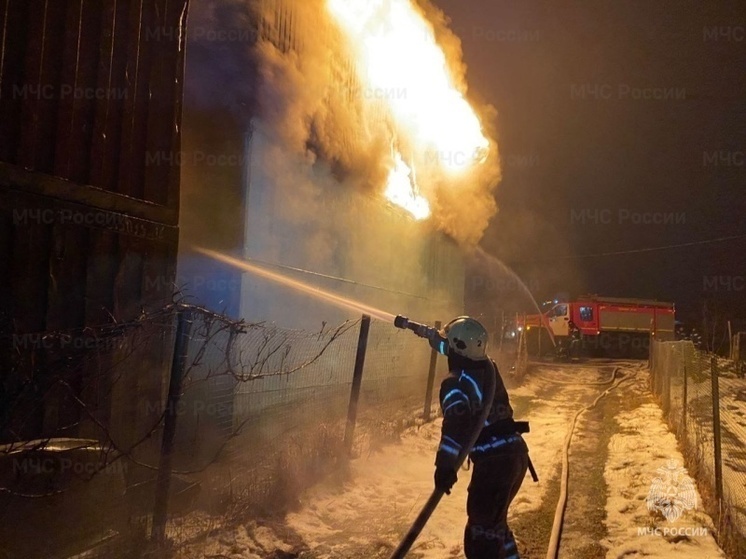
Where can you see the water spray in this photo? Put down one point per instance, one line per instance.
(328, 296)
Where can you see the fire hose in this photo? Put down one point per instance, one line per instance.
(559, 513)
(419, 523)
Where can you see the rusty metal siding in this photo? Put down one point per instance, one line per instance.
(90, 92)
(90, 109)
(278, 24)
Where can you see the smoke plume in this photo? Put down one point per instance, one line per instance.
(324, 123)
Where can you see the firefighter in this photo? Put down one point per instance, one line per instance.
(500, 455)
(573, 351)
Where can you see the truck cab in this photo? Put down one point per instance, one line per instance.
(558, 319)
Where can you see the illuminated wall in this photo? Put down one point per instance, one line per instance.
(265, 205)
(377, 253)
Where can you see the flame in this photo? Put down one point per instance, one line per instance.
(400, 190)
(401, 64)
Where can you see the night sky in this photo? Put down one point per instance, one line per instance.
(621, 127)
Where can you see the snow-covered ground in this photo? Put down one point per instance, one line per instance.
(642, 446)
(364, 513)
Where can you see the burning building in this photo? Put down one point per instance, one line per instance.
(330, 142)
(297, 151)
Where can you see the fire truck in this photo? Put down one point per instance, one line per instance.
(600, 326)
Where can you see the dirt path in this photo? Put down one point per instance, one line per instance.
(585, 513)
(566, 390)
(364, 513)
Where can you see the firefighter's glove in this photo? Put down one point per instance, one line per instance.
(445, 477)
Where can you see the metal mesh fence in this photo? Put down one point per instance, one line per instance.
(251, 396)
(77, 438)
(236, 417)
(704, 400)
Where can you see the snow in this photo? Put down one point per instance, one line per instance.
(390, 487)
(387, 490)
(642, 445)
(364, 512)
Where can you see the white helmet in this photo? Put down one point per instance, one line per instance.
(466, 337)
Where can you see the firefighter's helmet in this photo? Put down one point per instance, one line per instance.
(466, 337)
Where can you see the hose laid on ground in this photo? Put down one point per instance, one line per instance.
(576, 383)
(559, 513)
(432, 503)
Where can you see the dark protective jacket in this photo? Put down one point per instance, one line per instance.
(461, 400)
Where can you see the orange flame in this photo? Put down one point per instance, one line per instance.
(398, 58)
(399, 190)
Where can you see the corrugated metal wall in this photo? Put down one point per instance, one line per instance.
(90, 94)
(90, 106)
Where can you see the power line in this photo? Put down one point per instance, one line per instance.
(336, 278)
(640, 250)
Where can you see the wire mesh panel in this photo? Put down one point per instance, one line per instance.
(82, 425)
(675, 389)
(733, 435)
(263, 408)
(682, 377)
(78, 437)
(229, 417)
(700, 427)
(393, 384)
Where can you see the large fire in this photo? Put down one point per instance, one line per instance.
(401, 189)
(398, 57)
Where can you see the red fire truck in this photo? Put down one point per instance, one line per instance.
(603, 326)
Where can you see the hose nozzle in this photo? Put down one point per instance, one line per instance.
(422, 330)
(401, 322)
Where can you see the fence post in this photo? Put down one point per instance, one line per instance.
(651, 351)
(431, 379)
(658, 359)
(672, 364)
(684, 402)
(502, 331)
(357, 377)
(522, 351)
(163, 483)
(716, 430)
(525, 330)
